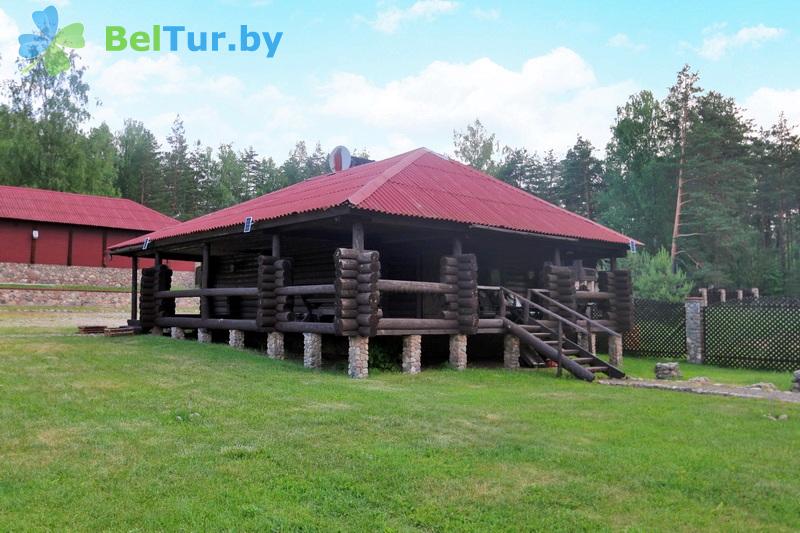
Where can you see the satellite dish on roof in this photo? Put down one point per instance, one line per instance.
(339, 159)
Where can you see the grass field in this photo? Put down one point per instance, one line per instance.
(142, 433)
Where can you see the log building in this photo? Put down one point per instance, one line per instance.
(409, 246)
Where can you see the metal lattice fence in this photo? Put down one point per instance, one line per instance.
(753, 333)
(659, 330)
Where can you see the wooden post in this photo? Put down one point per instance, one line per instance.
(103, 249)
(457, 249)
(134, 287)
(613, 263)
(70, 236)
(276, 245)
(560, 347)
(358, 236)
(557, 257)
(205, 302)
(157, 258)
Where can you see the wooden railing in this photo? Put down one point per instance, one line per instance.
(592, 325)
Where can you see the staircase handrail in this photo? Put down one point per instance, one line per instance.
(590, 323)
(546, 311)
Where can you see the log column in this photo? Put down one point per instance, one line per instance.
(467, 293)
(274, 273)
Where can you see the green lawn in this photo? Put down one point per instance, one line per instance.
(142, 433)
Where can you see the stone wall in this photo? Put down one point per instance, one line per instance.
(61, 297)
(77, 275)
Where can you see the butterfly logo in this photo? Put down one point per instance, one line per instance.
(48, 46)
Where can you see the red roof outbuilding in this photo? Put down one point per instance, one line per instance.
(420, 184)
(40, 205)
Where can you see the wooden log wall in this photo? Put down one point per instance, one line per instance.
(357, 299)
(154, 279)
(560, 282)
(619, 307)
(240, 270)
(448, 273)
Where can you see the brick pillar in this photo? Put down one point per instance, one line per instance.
(412, 354)
(236, 338)
(458, 351)
(312, 350)
(694, 329)
(358, 357)
(511, 352)
(615, 350)
(177, 333)
(275, 345)
(203, 335)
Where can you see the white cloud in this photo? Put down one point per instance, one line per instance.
(486, 14)
(9, 46)
(621, 40)
(765, 106)
(545, 104)
(390, 19)
(717, 43)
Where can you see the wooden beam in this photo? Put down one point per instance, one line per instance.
(205, 273)
(134, 287)
(276, 245)
(221, 291)
(210, 323)
(407, 286)
(457, 250)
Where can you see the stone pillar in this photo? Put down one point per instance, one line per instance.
(275, 345)
(754, 290)
(412, 354)
(588, 342)
(615, 350)
(312, 350)
(694, 329)
(458, 351)
(739, 294)
(236, 338)
(358, 357)
(511, 352)
(203, 335)
(723, 295)
(177, 333)
(157, 331)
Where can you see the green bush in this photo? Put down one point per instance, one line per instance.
(385, 353)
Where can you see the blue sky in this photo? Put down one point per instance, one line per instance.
(393, 75)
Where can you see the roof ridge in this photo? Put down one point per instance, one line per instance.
(376, 183)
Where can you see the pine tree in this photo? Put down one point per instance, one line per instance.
(581, 179)
(139, 165)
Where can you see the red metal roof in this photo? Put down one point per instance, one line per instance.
(420, 183)
(40, 205)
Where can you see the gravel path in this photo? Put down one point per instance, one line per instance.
(716, 389)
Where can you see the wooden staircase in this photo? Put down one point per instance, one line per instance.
(545, 339)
